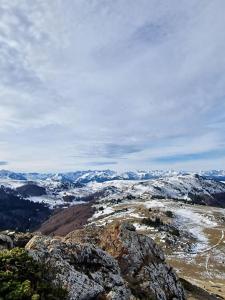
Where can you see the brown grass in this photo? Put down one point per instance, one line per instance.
(68, 219)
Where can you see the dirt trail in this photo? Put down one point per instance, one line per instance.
(214, 246)
(209, 249)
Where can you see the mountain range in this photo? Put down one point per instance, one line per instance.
(84, 177)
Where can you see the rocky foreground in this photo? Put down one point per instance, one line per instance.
(127, 266)
(114, 262)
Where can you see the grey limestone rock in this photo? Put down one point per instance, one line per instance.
(85, 271)
(141, 261)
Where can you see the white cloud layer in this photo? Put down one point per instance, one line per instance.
(122, 84)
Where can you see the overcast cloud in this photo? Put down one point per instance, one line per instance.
(119, 84)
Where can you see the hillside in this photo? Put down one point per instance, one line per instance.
(18, 213)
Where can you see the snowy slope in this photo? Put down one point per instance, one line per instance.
(85, 184)
(177, 187)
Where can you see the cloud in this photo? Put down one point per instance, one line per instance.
(119, 150)
(3, 163)
(119, 81)
(101, 163)
(207, 155)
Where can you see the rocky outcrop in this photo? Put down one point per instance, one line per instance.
(141, 261)
(85, 271)
(19, 239)
(10, 239)
(102, 263)
(5, 242)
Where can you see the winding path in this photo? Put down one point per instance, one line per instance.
(209, 249)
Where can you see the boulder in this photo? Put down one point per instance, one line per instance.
(19, 239)
(85, 271)
(5, 242)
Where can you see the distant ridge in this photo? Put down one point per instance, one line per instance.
(84, 177)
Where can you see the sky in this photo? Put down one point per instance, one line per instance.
(112, 84)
